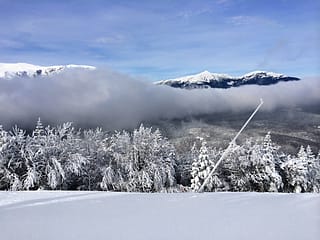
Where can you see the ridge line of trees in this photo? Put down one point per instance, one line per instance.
(63, 158)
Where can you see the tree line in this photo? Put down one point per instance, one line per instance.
(63, 158)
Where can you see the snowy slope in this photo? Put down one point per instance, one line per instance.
(134, 216)
(204, 76)
(10, 70)
(216, 80)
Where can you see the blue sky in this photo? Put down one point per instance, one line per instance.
(164, 39)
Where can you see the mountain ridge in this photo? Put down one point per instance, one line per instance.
(11, 70)
(207, 79)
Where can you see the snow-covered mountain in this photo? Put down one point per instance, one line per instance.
(216, 80)
(11, 70)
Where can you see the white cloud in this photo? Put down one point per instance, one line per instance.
(113, 100)
(194, 13)
(250, 20)
(112, 39)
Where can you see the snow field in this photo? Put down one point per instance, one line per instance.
(106, 215)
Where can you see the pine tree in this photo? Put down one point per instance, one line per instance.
(201, 168)
(39, 129)
(14, 162)
(313, 168)
(296, 172)
(185, 158)
(261, 167)
(234, 168)
(310, 155)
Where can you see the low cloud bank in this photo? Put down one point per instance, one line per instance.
(114, 101)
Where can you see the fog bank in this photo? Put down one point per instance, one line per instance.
(114, 101)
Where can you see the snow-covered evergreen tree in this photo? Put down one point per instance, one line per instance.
(313, 171)
(4, 173)
(201, 168)
(93, 147)
(261, 170)
(234, 169)
(296, 172)
(13, 164)
(187, 151)
(54, 157)
(303, 162)
(251, 167)
(141, 161)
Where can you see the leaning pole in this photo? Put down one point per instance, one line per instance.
(229, 147)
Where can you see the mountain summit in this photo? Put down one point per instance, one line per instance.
(217, 80)
(11, 70)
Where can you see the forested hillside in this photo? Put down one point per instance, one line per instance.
(143, 160)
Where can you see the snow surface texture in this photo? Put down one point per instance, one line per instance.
(216, 80)
(130, 216)
(11, 70)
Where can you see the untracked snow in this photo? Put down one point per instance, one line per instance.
(136, 216)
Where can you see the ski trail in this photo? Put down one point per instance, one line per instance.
(66, 197)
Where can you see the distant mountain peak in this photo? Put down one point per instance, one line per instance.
(207, 79)
(11, 70)
(263, 74)
(205, 74)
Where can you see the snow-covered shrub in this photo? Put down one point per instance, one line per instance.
(250, 167)
(302, 172)
(13, 165)
(141, 161)
(262, 174)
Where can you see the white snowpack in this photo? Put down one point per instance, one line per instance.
(270, 74)
(136, 216)
(10, 70)
(206, 77)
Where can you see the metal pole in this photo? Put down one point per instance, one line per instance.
(228, 148)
